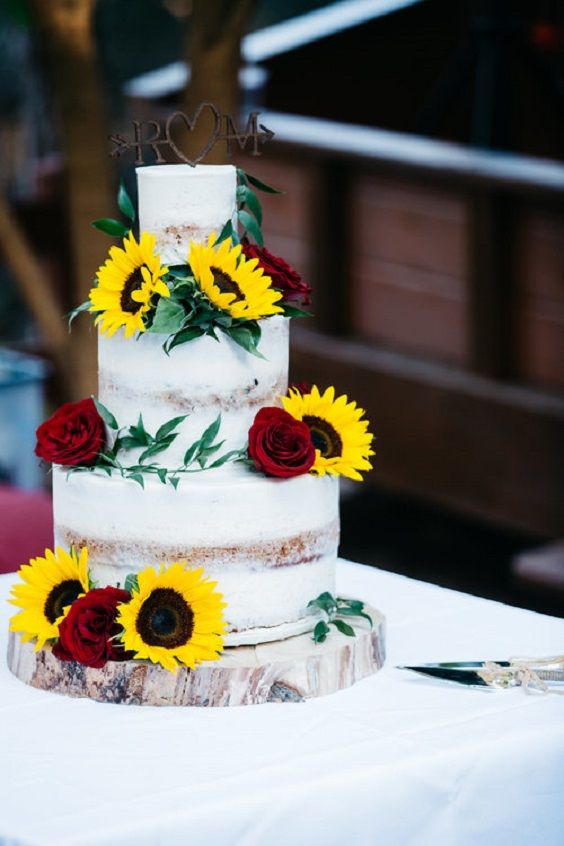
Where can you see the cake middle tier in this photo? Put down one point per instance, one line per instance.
(271, 544)
(200, 379)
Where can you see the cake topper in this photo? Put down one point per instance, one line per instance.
(223, 129)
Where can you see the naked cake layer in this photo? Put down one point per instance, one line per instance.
(271, 544)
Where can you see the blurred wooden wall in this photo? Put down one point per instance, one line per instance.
(439, 298)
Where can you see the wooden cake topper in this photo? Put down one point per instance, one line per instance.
(223, 129)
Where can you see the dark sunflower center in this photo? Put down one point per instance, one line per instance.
(133, 283)
(225, 283)
(165, 619)
(324, 437)
(61, 595)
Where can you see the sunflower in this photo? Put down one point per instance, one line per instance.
(127, 281)
(174, 617)
(231, 282)
(49, 586)
(340, 437)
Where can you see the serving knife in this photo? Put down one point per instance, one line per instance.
(468, 673)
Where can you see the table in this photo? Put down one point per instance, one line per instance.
(397, 759)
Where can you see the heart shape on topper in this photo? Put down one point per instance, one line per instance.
(190, 123)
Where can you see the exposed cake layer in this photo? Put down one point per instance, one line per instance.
(270, 543)
(202, 378)
(178, 203)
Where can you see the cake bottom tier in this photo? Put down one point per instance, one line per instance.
(271, 544)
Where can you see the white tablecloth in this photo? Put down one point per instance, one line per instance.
(394, 760)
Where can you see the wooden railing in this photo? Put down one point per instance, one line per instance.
(439, 296)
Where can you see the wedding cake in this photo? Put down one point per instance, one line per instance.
(196, 497)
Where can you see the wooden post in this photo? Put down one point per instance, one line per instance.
(65, 28)
(214, 44)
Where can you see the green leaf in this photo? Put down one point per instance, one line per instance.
(356, 604)
(223, 320)
(210, 433)
(169, 427)
(139, 433)
(161, 473)
(156, 447)
(294, 311)
(191, 452)
(174, 480)
(169, 317)
(111, 227)
(183, 337)
(253, 203)
(262, 186)
(211, 450)
(181, 272)
(250, 225)
(245, 337)
(137, 477)
(127, 442)
(350, 612)
(204, 454)
(106, 457)
(125, 204)
(320, 631)
(78, 310)
(233, 455)
(343, 627)
(353, 608)
(226, 232)
(324, 600)
(131, 582)
(106, 415)
(253, 327)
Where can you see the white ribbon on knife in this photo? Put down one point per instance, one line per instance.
(531, 673)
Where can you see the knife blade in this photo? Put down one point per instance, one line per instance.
(467, 673)
(468, 677)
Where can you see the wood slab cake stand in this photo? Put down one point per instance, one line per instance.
(288, 670)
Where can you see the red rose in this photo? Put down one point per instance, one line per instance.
(74, 434)
(284, 277)
(279, 444)
(85, 635)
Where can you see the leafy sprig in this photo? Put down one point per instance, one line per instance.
(196, 458)
(333, 609)
(249, 209)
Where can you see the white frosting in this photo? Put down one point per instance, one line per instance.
(202, 378)
(179, 202)
(270, 543)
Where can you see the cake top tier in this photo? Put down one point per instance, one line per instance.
(179, 203)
